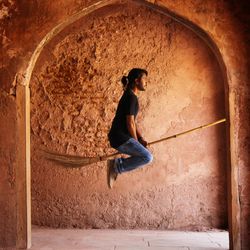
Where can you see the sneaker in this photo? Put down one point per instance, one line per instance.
(111, 174)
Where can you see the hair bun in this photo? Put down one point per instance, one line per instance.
(124, 81)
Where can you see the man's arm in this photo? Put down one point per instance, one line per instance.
(134, 132)
(138, 133)
(140, 138)
(131, 126)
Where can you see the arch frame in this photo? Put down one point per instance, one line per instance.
(23, 169)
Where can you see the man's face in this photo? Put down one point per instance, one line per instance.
(141, 83)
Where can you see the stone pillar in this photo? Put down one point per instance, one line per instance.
(23, 190)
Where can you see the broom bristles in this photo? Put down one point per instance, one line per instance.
(69, 160)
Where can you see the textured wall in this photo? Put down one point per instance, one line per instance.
(74, 94)
(23, 25)
(7, 142)
(8, 176)
(242, 14)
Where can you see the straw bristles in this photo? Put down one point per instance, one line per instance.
(74, 161)
(70, 160)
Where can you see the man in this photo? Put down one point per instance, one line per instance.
(124, 135)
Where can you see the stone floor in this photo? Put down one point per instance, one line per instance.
(69, 239)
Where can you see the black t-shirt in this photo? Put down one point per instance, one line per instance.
(128, 105)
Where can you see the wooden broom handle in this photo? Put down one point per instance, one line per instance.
(188, 131)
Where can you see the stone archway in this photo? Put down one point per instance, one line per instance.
(23, 96)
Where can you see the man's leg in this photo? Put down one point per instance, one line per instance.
(111, 172)
(139, 156)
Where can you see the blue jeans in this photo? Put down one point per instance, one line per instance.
(139, 156)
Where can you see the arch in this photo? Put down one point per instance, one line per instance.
(23, 103)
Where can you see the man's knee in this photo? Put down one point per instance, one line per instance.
(148, 158)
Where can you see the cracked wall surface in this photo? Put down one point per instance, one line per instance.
(24, 24)
(74, 94)
(8, 176)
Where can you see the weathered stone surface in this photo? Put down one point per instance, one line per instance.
(23, 25)
(7, 169)
(74, 93)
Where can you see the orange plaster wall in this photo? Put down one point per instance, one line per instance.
(74, 93)
(23, 25)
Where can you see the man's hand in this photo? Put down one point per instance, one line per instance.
(143, 142)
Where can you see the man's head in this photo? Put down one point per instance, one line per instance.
(135, 79)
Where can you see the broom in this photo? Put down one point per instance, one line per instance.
(80, 161)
